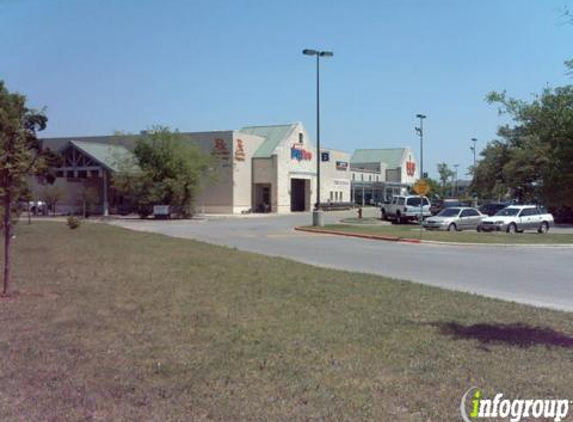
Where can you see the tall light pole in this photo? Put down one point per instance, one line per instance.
(420, 131)
(317, 219)
(473, 149)
(456, 180)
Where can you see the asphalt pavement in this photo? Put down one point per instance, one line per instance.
(532, 275)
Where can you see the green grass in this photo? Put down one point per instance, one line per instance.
(115, 325)
(466, 236)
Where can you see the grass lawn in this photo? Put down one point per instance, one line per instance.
(114, 325)
(466, 236)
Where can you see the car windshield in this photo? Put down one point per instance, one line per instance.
(415, 201)
(451, 204)
(449, 212)
(507, 212)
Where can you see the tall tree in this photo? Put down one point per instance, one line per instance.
(20, 157)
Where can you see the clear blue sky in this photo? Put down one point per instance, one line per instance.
(198, 65)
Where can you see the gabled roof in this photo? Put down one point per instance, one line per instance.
(273, 136)
(107, 155)
(391, 156)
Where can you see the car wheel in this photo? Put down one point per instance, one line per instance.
(512, 228)
(544, 228)
(398, 218)
(384, 216)
(452, 227)
(479, 229)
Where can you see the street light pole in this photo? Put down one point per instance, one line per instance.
(473, 149)
(317, 219)
(420, 131)
(456, 180)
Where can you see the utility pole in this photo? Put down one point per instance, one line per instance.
(420, 131)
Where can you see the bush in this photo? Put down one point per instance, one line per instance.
(73, 222)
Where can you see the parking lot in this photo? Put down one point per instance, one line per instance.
(534, 275)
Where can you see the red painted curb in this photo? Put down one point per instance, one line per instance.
(359, 235)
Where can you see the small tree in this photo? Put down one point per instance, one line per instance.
(88, 198)
(446, 173)
(166, 170)
(20, 157)
(52, 195)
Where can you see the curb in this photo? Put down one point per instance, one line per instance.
(361, 236)
(436, 242)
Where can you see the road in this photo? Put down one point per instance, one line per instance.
(535, 276)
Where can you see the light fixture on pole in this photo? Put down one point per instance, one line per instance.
(473, 149)
(420, 131)
(317, 219)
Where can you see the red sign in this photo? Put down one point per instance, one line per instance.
(410, 168)
(220, 149)
(239, 151)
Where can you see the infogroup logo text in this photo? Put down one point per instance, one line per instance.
(512, 410)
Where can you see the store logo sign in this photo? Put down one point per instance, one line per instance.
(299, 153)
(410, 168)
(220, 149)
(342, 165)
(239, 150)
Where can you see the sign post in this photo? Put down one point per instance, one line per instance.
(421, 187)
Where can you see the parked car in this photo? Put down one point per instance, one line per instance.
(455, 218)
(446, 203)
(35, 207)
(517, 218)
(492, 208)
(403, 208)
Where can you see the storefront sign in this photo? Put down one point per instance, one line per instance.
(299, 153)
(341, 182)
(325, 156)
(239, 151)
(220, 149)
(342, 165)
(410, 168)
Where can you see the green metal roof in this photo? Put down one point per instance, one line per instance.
(273, 136)
(391, 156)
(109, 156)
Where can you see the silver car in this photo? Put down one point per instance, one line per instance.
(455, 218)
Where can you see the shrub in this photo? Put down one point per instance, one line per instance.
(73, 222)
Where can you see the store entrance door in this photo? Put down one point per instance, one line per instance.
(298, 195)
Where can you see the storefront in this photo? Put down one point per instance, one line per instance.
(259, 169)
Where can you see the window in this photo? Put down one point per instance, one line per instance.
(401, 201)
(59, 173)
(300, 138)
(82, 174)
(353, 176)
(370, 178)
(331, 196)
(70, 173)
(94, 173)
(362, 177)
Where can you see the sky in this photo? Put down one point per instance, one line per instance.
(100, 66)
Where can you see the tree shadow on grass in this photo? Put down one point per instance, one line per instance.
(518, 335)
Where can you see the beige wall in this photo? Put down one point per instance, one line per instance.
(244, 146)
(335, 183)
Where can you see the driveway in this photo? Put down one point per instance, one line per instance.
(536, 276)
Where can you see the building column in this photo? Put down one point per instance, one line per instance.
(105, 202)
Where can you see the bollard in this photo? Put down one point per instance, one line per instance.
(359, 212)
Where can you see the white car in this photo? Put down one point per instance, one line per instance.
(517, 218)
(455, 218)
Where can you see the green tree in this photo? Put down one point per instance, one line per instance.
(445, 174)
(21, 156)
(165, 169)
(539, 146)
